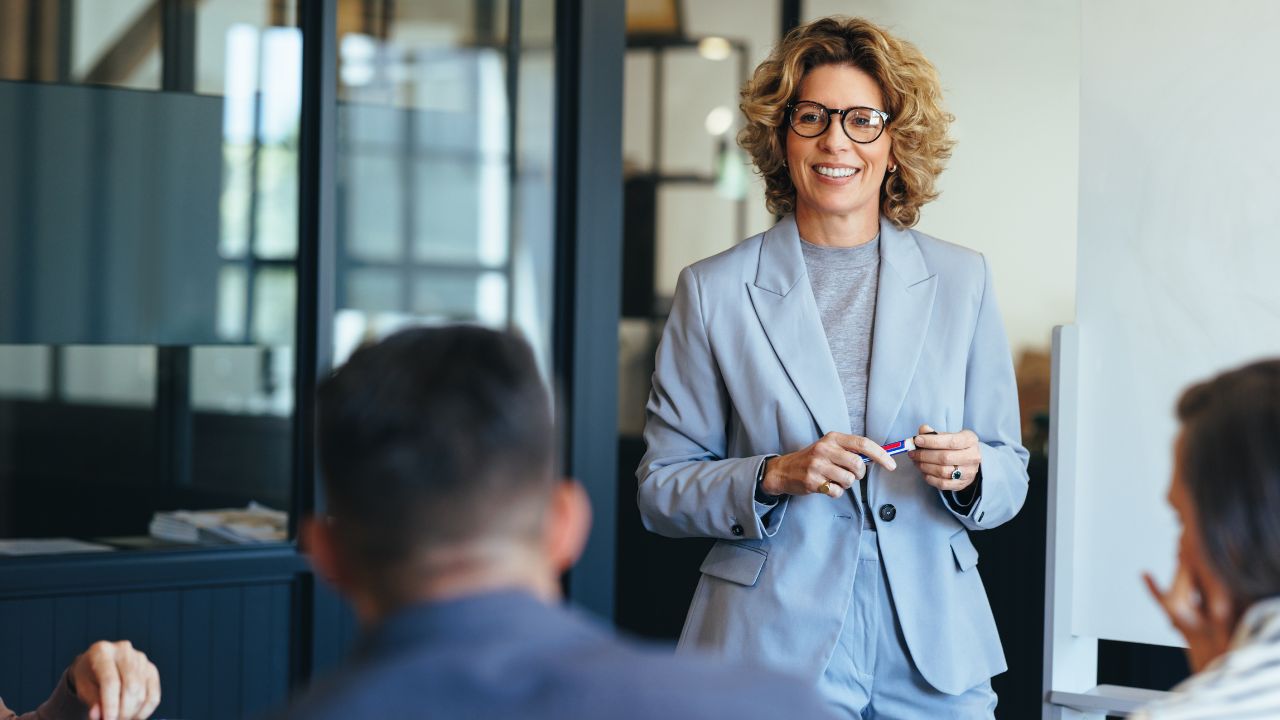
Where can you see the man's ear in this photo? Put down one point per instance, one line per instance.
(321, 547)
(568, 524)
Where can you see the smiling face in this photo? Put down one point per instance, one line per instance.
(834, 177)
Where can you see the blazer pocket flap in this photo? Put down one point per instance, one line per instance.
(962, 547)
(736, 563)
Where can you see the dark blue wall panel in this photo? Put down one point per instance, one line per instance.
(164, 644)
(35, 647)
(336, 629)
(195, 630)
(223, 652)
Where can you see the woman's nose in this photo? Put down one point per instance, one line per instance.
(834, 137)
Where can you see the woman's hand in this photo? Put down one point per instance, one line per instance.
(1197, 604)
(938, 455)
(828, 467)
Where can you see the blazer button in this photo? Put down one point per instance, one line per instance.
(736, 529)
(888, 513)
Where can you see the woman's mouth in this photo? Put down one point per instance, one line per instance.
(837, 173)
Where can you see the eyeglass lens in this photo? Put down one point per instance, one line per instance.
(861, 124)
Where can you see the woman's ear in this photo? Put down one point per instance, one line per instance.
(568, 524)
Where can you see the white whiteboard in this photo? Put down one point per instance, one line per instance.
(1178, 268)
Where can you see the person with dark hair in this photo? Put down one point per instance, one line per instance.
(448, 528)
(789, 360)
(1225, 596)
(108, 681)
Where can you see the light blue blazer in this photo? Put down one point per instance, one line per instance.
(744, 370)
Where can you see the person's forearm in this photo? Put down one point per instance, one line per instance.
(61, 705)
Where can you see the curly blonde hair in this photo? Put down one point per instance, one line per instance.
(912, 92)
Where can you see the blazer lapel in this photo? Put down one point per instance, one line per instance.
(904, 306)
(784, 303)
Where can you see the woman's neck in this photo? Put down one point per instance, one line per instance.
(836, 230)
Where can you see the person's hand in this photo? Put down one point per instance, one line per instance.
(828, 467)
(1198, 605)
(938, 454)
(116, 682)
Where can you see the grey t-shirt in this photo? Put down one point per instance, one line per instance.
(844, 282)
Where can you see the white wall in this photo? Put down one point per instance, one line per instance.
(1010, 72)
(1179, 251)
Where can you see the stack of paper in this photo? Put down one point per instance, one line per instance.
(48, 546)
(253, 524)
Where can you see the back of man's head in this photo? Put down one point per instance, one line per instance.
(433, 442)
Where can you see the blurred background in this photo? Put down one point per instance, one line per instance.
(205, 204)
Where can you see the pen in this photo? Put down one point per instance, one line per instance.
(897, 448)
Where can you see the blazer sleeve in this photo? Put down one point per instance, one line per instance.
(688, 487)
(61, 705)
(991, 411)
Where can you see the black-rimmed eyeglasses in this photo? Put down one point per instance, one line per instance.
(861, 124)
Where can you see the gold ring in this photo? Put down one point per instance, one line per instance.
(824, 488)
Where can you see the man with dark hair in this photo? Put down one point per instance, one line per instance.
(448, 530)
(1225, 597)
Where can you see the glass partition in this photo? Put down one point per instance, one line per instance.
(149, 228)
(444, 167)
(148, 240)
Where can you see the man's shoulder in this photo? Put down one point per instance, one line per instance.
(638, 678)
(584, 670)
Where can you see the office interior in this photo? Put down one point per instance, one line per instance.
(207, 204)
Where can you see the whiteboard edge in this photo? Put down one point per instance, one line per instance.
(1070, 661)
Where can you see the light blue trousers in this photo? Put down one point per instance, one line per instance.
(871, 674)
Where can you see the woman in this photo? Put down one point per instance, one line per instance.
(837, 330)
(1225, 598)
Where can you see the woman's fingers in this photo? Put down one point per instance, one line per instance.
(932, 440)
(1152, 587)
(852, 447)
(1159, 596)
(946, 449)
(834, 463)
(839, 476)
(830, 479)
(940, 477)
(945, 457)
(858, 445)
(1182, 601)
(819, 485)
(1173, 606)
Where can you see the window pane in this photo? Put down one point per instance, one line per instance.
(25, 372)
(148, 236)
(375, 290)
(116, 42)
(438, 220)
(461, 297)
(109, 375)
